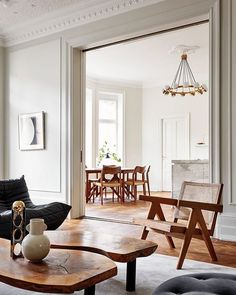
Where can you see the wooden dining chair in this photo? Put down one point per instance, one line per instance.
(196, 209)
(137, 179)
(110, 178)
(147, 180)
(91, 193)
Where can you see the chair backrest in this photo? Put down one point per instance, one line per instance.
(13, 190)
(139, 173)
(199, 192)
(111, 173)
(147, 172)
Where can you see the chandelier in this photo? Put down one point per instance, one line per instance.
(184, 81)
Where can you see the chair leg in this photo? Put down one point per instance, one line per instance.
(206, 236)
(122, 193)
(210, 247)
(144, 233)
(129, 190)
(184, 250)
(112, 195)
(170, 242)
(148, 185)
(187, 238)
(144, 189)
(135, 192)
(101, 195)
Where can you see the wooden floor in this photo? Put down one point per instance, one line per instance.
(117, 211)
(122, 215)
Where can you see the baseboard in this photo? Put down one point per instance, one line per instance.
(226, 227)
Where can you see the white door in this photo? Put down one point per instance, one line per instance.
(175, 146)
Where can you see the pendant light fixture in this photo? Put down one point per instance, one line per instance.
(184, 81)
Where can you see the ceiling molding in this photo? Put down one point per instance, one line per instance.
(45, 26)
(113, 82)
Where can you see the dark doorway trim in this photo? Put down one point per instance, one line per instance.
(147, 35)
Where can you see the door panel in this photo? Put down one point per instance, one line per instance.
(175, 146)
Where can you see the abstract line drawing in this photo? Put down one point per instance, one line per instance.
(31, 131)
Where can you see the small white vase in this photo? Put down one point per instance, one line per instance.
(36, 245)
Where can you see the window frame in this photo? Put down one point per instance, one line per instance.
(109, 95)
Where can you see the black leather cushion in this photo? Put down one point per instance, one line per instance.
(16, 189)
(199, 284)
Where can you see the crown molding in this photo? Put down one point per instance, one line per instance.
(54, 23)
(114, 82)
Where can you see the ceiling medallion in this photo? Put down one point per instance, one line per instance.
(5, 3)
(184, 81)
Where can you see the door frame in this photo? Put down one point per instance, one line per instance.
(185, 12)
(178, 116)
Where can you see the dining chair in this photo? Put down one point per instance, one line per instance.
(90, 189)
(147, 180)
(196, 209)
(110, 178)
(137, 179)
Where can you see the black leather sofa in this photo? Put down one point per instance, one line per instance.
(199, 284)
(16, 189)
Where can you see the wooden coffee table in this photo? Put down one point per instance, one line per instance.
(120, 249)
(62, 271)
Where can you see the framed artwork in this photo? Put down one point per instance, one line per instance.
(31, 131)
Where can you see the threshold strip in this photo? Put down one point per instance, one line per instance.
(109, 220)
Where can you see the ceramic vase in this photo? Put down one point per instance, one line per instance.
(36, 245)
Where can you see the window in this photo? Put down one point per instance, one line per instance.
(104, 125)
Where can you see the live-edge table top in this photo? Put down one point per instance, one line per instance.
(62, 271)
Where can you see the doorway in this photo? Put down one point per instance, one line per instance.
(123, 70)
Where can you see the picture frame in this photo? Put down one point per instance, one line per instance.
(31, 131)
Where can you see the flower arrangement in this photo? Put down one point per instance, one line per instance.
(104, 152)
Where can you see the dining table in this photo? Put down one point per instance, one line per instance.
(125, 172)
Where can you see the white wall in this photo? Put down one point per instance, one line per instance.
(2, 68)
(133, 127)
(157, 106)
(34, 86)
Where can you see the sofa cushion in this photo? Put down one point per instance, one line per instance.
(12, 190)
(196, 284)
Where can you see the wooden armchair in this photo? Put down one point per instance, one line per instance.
(196, 208)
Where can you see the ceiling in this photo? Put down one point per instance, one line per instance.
(24, 20)
(148, 61)
(13, 12)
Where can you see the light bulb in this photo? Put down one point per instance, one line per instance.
(205, 87)
(196, 85)
(175, 85)
(186, 84)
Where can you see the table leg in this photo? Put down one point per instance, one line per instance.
(90, 290)
(131, 276)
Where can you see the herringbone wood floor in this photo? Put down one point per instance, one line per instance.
(121, 225)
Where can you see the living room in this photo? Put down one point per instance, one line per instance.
(41, 63)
